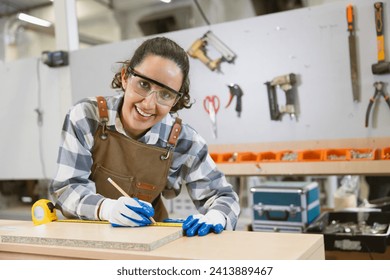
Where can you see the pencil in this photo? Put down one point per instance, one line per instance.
(124, 194)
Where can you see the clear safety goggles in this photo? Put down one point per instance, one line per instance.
(143, 86)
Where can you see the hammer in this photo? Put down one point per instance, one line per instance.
(382, 67)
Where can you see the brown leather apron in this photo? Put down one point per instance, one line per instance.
(141, 170)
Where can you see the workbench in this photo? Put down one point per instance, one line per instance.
(229, 245)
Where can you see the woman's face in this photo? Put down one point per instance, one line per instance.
(140, 113)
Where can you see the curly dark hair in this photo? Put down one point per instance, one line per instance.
(166, 48)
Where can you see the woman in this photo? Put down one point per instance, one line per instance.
(134, 139)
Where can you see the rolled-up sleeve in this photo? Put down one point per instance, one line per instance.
(71, 190)
(206, 185)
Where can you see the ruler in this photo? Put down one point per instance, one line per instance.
(158, 224)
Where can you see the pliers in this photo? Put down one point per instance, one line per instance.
(379, 91)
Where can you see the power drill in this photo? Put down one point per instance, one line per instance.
(285, 82)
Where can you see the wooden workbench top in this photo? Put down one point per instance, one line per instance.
(227, 245)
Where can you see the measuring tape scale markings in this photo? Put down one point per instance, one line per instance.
(43, 212)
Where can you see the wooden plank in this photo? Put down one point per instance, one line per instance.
(229, 245)
(89, 235)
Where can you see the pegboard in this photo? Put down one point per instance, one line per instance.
(310, 42)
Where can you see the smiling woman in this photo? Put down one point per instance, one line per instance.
(141, 108)
(134, 138)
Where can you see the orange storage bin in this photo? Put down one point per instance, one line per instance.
(227, 157)
(288, 155)
(385, 153)
(362, 154)
(267, 156)
(215, 157)
(246, 156)
(337, 154)
(311, 155)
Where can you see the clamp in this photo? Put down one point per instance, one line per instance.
(379, 91)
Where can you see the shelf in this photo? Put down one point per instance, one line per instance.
(379, 166)
(374, 167)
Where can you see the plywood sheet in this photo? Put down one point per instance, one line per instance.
(89, 235)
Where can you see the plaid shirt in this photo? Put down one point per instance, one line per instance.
(75, 194)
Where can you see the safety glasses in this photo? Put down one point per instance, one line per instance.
(143, 86)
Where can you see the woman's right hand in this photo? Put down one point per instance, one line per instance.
(126, 212)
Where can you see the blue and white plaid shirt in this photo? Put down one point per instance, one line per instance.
(75, 194)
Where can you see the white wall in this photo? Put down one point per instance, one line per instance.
(28, 149)
(311, 42)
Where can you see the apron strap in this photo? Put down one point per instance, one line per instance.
(102, 106)
(103, 115)
(174, 135)
(172, 139)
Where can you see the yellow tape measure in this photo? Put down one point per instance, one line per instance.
(43, 212)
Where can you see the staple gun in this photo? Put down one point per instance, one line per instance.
(198, 50)
(285, 82)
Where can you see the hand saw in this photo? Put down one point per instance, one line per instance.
(353, 53)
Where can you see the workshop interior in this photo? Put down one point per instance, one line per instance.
(291, 96)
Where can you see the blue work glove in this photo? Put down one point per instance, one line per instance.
(126, 212)
(202, 225)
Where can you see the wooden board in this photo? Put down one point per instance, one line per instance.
(229, 245)
(87, 235)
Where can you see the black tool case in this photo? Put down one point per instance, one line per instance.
(348, 240)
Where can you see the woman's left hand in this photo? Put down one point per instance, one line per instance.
(202, 225)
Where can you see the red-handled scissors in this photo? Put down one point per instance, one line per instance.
(211, 104)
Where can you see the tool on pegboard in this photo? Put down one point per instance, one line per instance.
(235, 92)
(353, 60)
(286, 83)
(379, 91)
(381, 67)
(211, 105)
(198, 50)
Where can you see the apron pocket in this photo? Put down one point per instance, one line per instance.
(104, 187)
